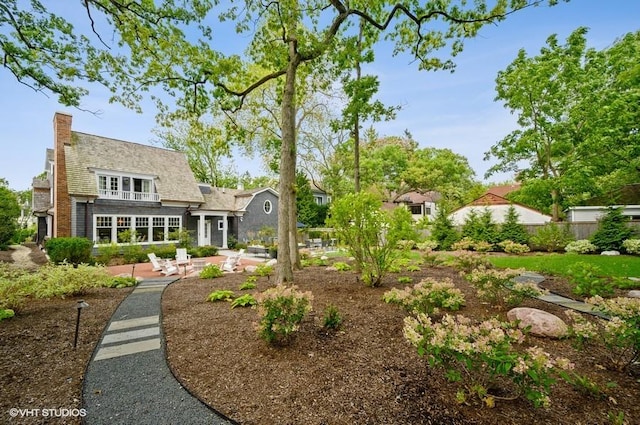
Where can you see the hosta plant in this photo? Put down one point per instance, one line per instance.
(221, 295)
(246, 300)
(211, 271)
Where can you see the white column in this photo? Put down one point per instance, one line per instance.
(224, 231)
(201, 223)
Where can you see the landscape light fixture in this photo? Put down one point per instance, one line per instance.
(79, 306)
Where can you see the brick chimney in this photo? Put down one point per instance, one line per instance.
(61, 198)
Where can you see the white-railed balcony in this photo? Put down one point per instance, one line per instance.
(128, 196)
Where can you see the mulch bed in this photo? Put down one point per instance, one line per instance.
(366, 373)
(40, 369)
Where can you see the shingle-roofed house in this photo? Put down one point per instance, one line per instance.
(100, 188)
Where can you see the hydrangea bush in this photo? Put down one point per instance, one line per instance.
(281, 310)
(483, 356)
(497, 286)
(631, 246)
(427, 296)
(620, 335)
(582, 246)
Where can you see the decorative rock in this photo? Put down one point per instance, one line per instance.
(540, 322)
(331, 269)
(324, 258)
(610, 253)
(272, 262)
(250, 268)
(633, 294)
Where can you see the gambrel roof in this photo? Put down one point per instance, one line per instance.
(88, 154)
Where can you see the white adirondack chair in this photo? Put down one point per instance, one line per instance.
(232, 262)
(168, 268)
(182, 258)
(155, 261)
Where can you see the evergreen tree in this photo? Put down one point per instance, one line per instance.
(612, 231)
(443, 230)
(9, 213)
(512, 229)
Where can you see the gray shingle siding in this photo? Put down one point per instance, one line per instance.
(255, 218)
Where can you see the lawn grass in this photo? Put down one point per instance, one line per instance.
(558, 264)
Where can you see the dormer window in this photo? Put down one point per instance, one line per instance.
(129, 188)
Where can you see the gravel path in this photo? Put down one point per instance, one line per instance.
(21, 257)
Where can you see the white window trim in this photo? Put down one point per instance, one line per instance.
(149, 241)
(264, 206)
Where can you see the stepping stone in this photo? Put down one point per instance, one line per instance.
(134, 323)
(126, 349)
(129, 335)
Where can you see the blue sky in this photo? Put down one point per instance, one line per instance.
(440, 109)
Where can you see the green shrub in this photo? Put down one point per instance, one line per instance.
(552, 237)
(585, 281)
(332, 318)
(359, 222)
(6, 314)
(71, 250)
(133, 254)
(427, 245)
(220, 295)
(405, 280)
(121, 282)
(203, 251)
(246, 300)
(211, 271)
(163, 251)
(281, 310)
(413, 268)
(106, 252)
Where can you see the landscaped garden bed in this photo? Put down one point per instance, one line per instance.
(366, 371)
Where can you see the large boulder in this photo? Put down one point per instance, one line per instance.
(540, 322)
(633, 294)
(610, 253)
(272, 262)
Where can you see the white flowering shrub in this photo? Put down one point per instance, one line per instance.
(483, 356)
(427, 245)
(427, 296)
(497, 286)
(281, 310)
(632, 246)
(511, 247)
(620, 335)
(582, 246)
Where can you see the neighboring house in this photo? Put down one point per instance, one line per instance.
(591, 214)
(319, 195)
(105, 190)
(499, 206)
(626, 197)
(420, 204)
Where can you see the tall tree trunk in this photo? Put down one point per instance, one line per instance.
(286, 204)
(356, 121)
(555, 206)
